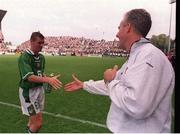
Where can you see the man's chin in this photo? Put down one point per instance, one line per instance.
(121, 46)
(39, 51)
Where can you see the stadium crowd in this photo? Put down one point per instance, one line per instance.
(67, 45)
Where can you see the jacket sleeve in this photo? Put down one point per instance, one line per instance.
(136, 93)
(96, 87)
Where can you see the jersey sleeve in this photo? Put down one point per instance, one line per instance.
(24, 67)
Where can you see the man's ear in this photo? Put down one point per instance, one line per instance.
(31, 41)
(129, 27)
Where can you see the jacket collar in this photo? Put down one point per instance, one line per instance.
(139, 43)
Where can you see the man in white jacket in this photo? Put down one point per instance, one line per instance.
(141, 90)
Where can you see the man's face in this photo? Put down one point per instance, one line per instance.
(122, 33)
(37, 45)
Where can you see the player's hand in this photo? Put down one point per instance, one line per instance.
(110, 74)
(54, 82)
(74, 85)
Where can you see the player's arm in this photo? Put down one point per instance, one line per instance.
(53, 81)
(28, 74)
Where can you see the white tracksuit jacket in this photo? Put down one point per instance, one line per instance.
(140, 93)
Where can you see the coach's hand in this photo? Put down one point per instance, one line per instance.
(74, 85)
(54, 82)
(110, 74)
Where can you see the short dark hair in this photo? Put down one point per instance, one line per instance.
(140, 19)
(34, 36)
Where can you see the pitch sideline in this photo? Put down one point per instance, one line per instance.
(64, 116)
(59, 116)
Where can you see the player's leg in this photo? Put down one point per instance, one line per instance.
(37, 96)
(35, 123)
(32, 108)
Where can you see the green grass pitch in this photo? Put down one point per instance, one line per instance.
(80, 104)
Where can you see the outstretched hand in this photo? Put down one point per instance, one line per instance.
(74, 85)
(54, 82)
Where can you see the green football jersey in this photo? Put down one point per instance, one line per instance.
(30, 64)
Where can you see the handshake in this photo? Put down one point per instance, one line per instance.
(76, 84)
(54, 83)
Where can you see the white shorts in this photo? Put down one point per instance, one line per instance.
(36, 104)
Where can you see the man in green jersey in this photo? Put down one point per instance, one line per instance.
(31, 92)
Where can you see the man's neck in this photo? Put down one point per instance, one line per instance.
(131, 41)
(33, 52)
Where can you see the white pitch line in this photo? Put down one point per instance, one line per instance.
(60, 116)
